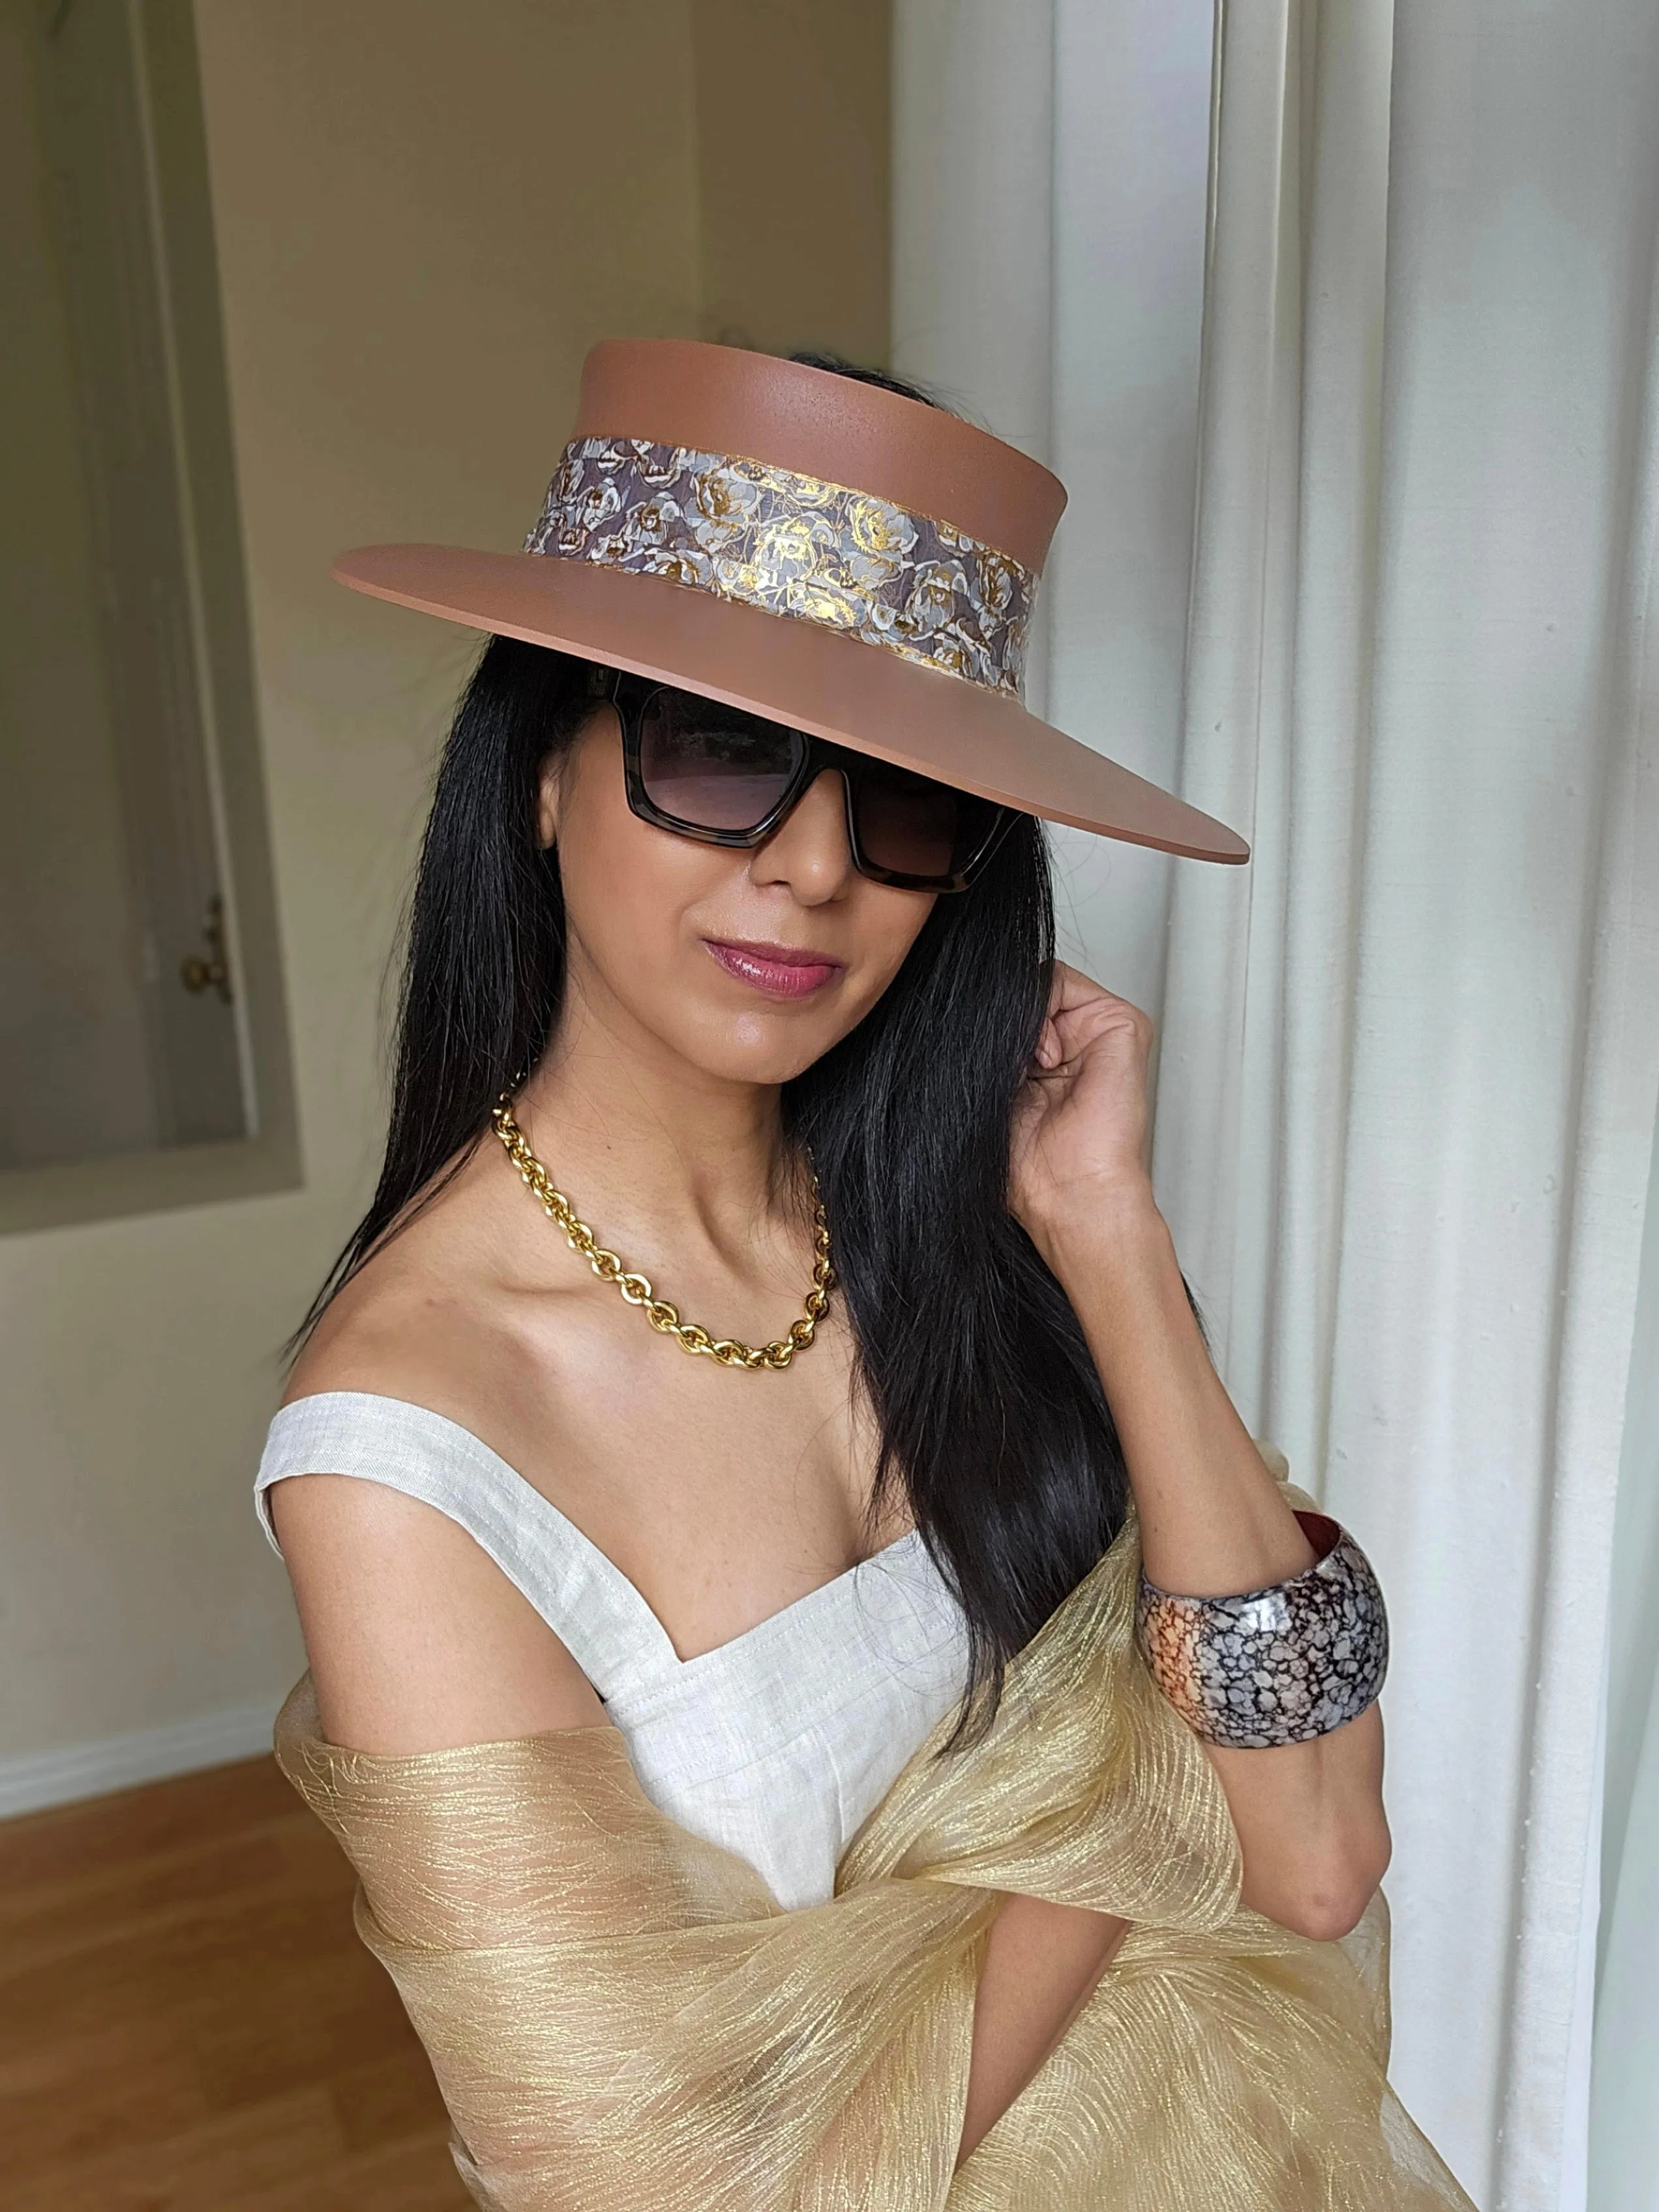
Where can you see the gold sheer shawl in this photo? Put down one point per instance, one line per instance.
(622, 2019)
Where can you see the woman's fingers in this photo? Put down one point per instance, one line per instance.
(1071, 990)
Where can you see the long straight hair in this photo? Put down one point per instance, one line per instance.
(992, 1418)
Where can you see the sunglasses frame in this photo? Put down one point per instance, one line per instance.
(631, 695)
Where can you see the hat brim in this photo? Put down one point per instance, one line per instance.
(791, 671)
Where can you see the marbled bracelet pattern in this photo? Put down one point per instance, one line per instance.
(1273, 1666)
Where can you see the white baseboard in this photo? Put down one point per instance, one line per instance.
(30, 1780)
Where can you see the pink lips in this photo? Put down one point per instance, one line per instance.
(782, 971)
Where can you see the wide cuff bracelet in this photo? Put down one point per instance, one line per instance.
(1274, 1666)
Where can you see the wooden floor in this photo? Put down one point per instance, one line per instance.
(187, 2022)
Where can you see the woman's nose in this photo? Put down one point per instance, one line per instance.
(808, 850)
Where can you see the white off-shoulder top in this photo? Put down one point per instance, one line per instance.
(777, 1745)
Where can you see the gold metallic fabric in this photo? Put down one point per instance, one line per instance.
(794, 545)
(620, 2016)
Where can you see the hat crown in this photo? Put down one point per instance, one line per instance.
(720, 399)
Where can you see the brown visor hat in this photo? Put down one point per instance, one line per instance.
(810, 549)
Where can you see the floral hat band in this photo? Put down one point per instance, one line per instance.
(795, 545)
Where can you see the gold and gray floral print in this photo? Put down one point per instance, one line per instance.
(1275, 1666)
(794, 545)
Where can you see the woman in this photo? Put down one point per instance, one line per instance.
(774, 1710)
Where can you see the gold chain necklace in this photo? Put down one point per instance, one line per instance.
(638, 1292)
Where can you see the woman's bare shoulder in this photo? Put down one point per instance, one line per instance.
(416, 1309)
(418, 1639)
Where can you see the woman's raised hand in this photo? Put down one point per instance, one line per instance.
(1078, 1138)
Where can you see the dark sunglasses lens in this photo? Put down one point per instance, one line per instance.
(915, 827)
(710, 766)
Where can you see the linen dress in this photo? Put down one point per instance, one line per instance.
(777, 1745)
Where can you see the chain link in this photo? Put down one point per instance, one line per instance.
(637, 1290)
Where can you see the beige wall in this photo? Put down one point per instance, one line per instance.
(792, 162)
(426, 213)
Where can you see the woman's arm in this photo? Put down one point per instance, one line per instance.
(417, 1639)
(1214, 1521)
(1041, 1963)
(418, 1642)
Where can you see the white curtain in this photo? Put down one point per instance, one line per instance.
(1411, 1056)
(1624, 2134)
(1049, 164)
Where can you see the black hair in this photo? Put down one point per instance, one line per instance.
(991, 1418)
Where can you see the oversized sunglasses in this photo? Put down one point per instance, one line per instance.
(714, 773)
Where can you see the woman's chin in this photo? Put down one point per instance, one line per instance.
(766, 1063)
(765, 1045)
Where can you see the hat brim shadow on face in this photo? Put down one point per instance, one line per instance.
(791, 671)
